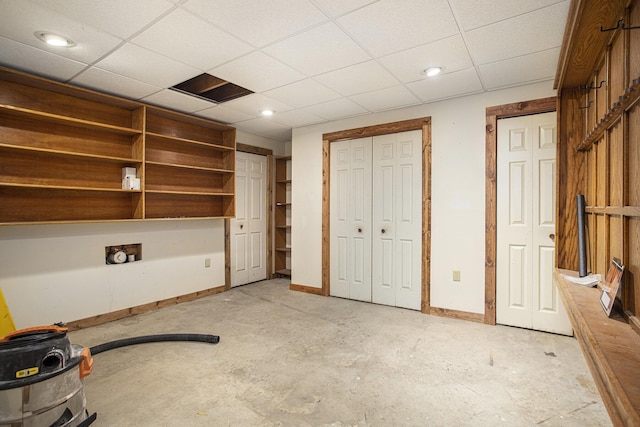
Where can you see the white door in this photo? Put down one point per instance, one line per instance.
(526, 194)
(249, 227)
(376, 219)
(397, 219)
(350, 219)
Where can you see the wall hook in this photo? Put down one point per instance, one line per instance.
(586, 106)
(624, 27)
(588, 87)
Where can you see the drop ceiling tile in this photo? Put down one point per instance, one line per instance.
(122, 18)
(337, 8)
(478, 13)
(296, 118)
(266, 127)
(522, 35)
(19, 20)
(224, 114)
(302, 93)
(447, 85)
(359, 78)
(141, 64)
(257, 72)
(529, 68)
(386, 99)
(177, 101)
(390, 26)
(253, 104)
(105, 81)
(36, 61)
(189, 39)
(317, 51)
(408, 65)
(336, 109)
(259, 22)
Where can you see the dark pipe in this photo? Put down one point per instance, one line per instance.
(582, 242)
(213, 339)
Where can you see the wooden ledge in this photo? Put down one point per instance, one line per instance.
(610, 347)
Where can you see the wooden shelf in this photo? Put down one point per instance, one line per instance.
(283, 249)
(62, 150)
(283, 272)
(282, 228)
(610, 347)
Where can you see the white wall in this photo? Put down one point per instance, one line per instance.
(52, 273)
(458, 192)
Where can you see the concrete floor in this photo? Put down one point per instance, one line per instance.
(287, 358)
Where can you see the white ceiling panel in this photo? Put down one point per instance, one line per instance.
(122, 18)
(358, 78)
(254, 104)
(336, 109)
(194, 44)
(36, 61)
(267, 127)
(257, 72)
(115, 84)
(450, 53)
(534, 67)
(19, 20)
(224, 114)
(448, 85)
(478, 13)
(336, 8)
(318, 51)
(303, 93)
(179, 101)
(522, 35)
(390, 26)
(141, 64)
(297, 118)
(386, 99)
(259, 22)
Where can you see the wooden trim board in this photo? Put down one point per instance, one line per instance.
(306, 289)
(455, 314)
(543, 105)
(144, 308)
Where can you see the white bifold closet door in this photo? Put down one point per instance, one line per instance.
(376, 219)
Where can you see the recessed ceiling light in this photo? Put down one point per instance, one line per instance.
(432, 71)
(267, 113)
(54, 39)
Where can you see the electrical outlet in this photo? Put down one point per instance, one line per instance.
(456, 275)
(207, 262)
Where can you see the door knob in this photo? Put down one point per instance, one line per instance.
(241, 226)
(383, 231)
(359, 230)
(552, 237)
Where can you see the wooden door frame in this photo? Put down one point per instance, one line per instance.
(537, 106)
(423, 124)
(244, 148)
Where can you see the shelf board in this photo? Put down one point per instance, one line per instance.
(190, 193)
(67, 188)
(283, 227)
(284, 272)
(65, 120)
(69, 153)
(284, 181)
(190, 141)
(174, 165)
(286, 249)
(283, 204)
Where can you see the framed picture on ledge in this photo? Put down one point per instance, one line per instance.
(611, 285)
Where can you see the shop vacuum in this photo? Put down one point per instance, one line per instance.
(41, 375)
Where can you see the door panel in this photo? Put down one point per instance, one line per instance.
(249, 227)
(525, 293)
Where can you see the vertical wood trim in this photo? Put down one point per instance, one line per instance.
(426, 219)
(227, 254)
(543, 105)
(326, 209)
(423, 124)
(490, 219)
(270, 219)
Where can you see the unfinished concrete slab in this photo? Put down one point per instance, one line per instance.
(289, 358)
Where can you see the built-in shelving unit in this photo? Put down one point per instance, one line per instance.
(63, 148)
(282, 232)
